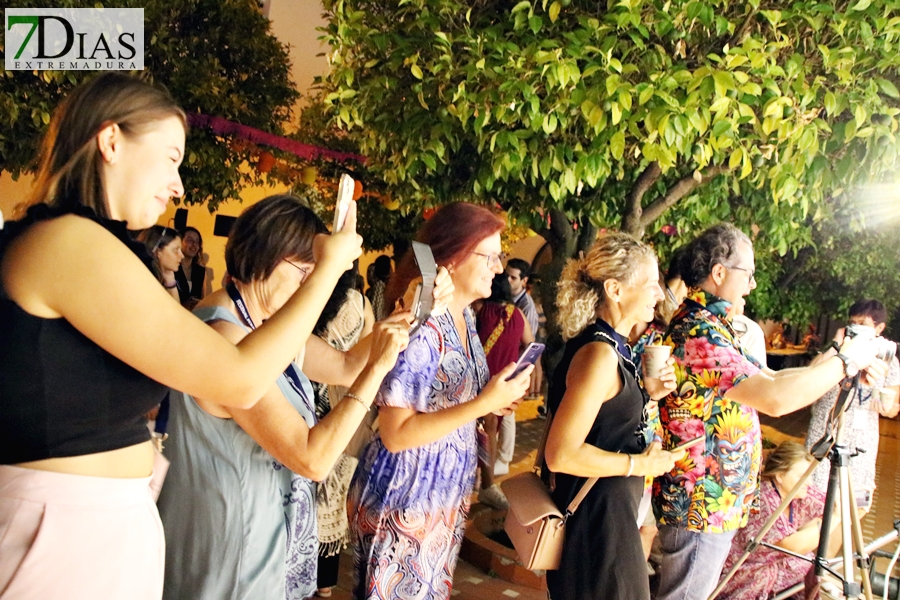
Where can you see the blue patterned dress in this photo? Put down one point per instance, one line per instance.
(408, 510)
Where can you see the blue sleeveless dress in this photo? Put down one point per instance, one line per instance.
(239, 525)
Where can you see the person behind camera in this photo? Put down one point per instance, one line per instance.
(597, 401)
(767, 571)
(861, 417)
(706, 498)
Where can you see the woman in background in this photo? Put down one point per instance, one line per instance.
(191, 275)
(164, 246)
(503, 331)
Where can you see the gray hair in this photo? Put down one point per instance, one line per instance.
(715, 246)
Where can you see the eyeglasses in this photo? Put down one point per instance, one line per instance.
(752, 272)
(493, 259)
(305, 271)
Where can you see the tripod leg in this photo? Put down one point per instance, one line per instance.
(858, 543)
(755, 542)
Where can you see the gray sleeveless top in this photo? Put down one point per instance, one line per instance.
(238, 524)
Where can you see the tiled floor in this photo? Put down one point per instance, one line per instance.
(472, 584)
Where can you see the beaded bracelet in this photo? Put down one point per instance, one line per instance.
(357, 398)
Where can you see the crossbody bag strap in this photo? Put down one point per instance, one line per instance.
(539, 458)
(573, 505)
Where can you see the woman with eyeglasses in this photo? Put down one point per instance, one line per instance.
(239, 504)
(90, 343)
(164, 246)
(409, 498)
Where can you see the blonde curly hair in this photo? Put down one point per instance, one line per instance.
(613, 256)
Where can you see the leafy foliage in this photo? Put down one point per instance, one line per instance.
(217, 57)
(645, 115)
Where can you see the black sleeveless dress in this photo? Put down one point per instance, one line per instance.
(602, 555)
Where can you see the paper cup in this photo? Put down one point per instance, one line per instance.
(655, 357)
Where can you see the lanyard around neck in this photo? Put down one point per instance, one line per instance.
(239, 303)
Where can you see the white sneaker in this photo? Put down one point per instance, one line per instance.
(493, 497)
(501, 468)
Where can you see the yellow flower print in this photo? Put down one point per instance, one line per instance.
(723, 503)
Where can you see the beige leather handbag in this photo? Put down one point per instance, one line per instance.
(534, 524)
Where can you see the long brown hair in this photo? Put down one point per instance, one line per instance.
(452, 232)
(783, 458)
(69, 173)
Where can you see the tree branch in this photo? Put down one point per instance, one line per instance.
(631, 220)
(677, 192)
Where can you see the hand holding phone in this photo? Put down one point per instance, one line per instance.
(344, 198)
(529, 356)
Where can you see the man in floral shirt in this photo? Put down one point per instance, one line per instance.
(706, 498)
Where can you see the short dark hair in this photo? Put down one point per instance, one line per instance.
(273, 229)
(501, 292)
(673, 270)
(383, 267)
(869, 308)
(522, 266)
(715, 246)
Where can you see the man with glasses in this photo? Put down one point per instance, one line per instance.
(706, 498)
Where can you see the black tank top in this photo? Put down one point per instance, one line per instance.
(618, 426)
(61, 394)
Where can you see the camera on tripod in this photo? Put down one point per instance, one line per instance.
(885, 349)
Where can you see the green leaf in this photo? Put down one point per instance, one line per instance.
(625, 99)
(417, 71)
(616, 112)
(861, 5)
(617, 145)
(888, 88)
(721, 127)
(550, 123)
(523, 5)
(830, 103)
(736, 157)
(724, 82)
(554, 13)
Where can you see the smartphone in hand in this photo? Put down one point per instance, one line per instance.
(344, 198)
(530, 355)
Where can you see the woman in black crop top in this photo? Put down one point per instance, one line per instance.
(90, 341)
(597, 398)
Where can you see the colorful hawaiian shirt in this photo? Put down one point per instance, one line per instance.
(712, 489)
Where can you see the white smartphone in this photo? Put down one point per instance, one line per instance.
(530, 355)
(344, 198)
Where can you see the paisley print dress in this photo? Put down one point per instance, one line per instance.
(408, 510)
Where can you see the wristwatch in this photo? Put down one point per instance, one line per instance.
(850, 367)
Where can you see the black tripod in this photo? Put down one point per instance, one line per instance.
(840, 488)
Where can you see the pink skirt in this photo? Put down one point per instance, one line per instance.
(74, 537)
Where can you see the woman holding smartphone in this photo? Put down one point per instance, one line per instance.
(597, 400)
(409, 498)
(91, 341)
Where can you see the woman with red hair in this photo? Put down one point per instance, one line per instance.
(409, 498)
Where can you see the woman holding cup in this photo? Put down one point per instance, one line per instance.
(597, 398)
